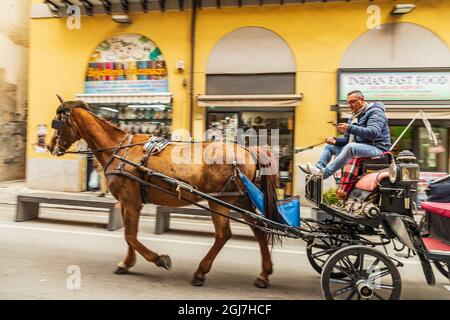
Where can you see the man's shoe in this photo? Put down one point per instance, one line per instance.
(313, 169)
(304, 168)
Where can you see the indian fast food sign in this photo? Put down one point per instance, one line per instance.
(396, 85)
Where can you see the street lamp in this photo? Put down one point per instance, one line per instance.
(403, 8)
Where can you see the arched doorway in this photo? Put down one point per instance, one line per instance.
(250, 84)
(126, 83)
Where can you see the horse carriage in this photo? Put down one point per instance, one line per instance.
(378, 211)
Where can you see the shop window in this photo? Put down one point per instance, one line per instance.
(416, 139)
(405, 143)
(225, 124)
(433, 158)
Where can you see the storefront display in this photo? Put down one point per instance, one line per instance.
(224, 124)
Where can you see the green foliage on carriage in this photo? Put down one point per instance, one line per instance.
(330, 196)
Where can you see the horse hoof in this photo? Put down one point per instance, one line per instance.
(121, 270)
(197, 281)
(261, 283)
(165, 262)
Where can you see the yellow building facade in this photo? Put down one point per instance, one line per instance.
(318, 35)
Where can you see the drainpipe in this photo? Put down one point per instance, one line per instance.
(191, 93)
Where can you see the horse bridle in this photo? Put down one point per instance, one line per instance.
(60, 126)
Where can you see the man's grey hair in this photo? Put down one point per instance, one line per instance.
(357, 93)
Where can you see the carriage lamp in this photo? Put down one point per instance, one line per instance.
(406, 169)
(409, 172)
(402, 8)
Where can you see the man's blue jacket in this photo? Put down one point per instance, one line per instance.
(372, 128)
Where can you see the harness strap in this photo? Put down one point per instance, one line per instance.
(116, 151)
(152, 147)
(122, 164)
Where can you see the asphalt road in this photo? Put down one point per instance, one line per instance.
(38, 259)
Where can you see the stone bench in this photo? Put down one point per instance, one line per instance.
(28, 206)
(163, 213)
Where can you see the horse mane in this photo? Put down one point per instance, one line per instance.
(70, 105)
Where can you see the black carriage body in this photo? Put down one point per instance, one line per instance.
(313, 190)
(398, 198)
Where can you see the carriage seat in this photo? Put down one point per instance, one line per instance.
(376, 163)
(356, 168)
(437, 208)
(371, 181)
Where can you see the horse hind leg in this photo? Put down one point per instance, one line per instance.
(262, 281)
(222, 235)
(131, 223)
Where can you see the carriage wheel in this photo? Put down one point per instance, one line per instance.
(318, 254)
(443, 268)
(374, 278)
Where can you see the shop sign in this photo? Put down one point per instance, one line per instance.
(129, 63)
(396, 85)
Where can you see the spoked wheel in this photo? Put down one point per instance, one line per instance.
(375, 277)
(318, 252)
(442, 267)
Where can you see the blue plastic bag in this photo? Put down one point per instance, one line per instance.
(289, 208)
(256, 195)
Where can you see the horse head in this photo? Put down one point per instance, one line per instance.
(65, 132)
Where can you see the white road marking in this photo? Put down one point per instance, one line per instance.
(167, 240)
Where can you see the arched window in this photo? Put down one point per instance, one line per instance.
(128, 63)
(251, 60)
(397, 45)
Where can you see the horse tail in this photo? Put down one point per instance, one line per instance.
(268, 168)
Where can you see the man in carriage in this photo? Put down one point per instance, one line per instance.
(366, 135)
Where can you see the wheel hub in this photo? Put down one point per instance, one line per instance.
(365, 288)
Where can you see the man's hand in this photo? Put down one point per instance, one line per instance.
(342, 127)
(331, 140)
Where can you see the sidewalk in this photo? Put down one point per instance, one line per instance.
(9, 190)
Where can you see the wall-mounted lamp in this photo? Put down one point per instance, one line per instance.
(403, 8)
(180, 66)
(121, 18)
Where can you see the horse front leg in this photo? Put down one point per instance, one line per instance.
(131, 224)
(130, 259)
(222, 235)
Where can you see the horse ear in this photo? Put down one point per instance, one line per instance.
(60, 99)
(84, 105)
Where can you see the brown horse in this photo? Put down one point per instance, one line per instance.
(77, 122)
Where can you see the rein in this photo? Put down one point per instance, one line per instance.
(105, 149)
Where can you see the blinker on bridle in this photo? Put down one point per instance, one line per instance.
(59, 126)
